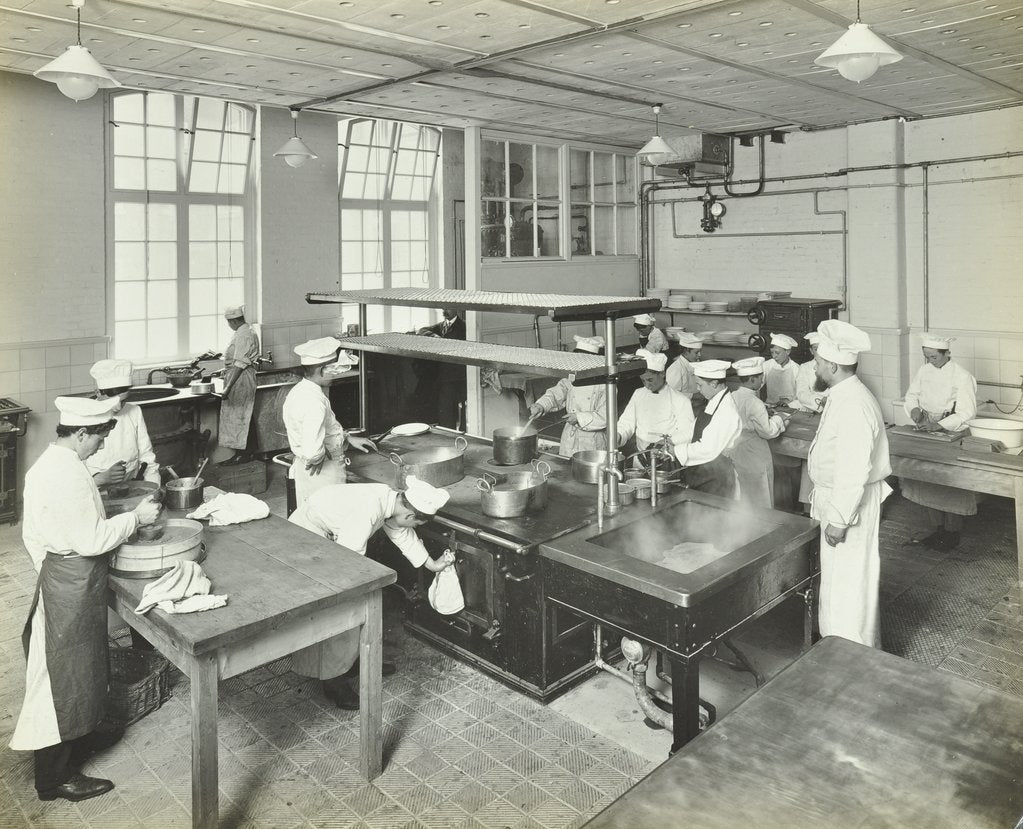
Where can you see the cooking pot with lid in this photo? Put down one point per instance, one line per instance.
(437, 465)
(514, 493)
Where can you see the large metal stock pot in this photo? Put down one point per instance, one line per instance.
(586, 465)
(514, 445)
(438, 465)
(516, 493)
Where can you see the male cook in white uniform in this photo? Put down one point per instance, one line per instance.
(67, 534)
(128, 446)
(650, 336)
(848, 464)
(780, 372)
(315, 437)
(680, 374)
(585, 407)
(656, 410)
(351, 514)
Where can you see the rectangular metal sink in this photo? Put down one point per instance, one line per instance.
(142, 395)
(276, 378)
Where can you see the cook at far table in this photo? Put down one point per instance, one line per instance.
(67, 534)
(943, 395)
(239, 394)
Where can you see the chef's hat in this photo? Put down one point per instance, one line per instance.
(928, 340)
(645, 319)
(84, 411)
(813, 337)
(111, 374)
(783, 341)
(590, 344)
(425, 497)
(320, 350)
(688, 340)
(234, 312)
(749, 366)
(654, 362)
(712, 369)
(841, 342)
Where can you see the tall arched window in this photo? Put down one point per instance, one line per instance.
(386, 190)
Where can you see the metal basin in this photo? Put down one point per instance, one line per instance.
(140, 395)
(514, 493)
(438, 465)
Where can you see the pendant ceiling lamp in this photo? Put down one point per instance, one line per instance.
(294, 152)
(76, 72)
(858, 53)
(656, 150)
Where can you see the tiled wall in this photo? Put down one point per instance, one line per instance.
(281, 338)
(35, 373)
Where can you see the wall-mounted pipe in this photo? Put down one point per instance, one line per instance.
(760, 183)
(925, 263)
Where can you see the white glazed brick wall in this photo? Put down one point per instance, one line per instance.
(36, 373)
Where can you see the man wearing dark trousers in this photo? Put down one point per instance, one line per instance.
(444, 383)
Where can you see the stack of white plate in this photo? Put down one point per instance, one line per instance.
(697, 306)
(680, 300)
(658, 293)
(730, 337)
(706, 336)
(717, 307)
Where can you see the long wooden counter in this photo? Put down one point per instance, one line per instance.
(920, 459)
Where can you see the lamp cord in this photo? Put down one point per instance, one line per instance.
(78, 11)
(857, 11)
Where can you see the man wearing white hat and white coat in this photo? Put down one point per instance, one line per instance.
(848, 464)
(780, 371)
(585, 407)
(656, 411)
(67, 535)
(751, 454)
(680, 375)
(128, 446)
(717, 429)
(351, 515)
(810, 396)
(315, 437)
(239, 393)
(943, 395)
(651, 337)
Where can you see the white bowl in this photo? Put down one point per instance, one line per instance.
(1009, 432)
(697, 306)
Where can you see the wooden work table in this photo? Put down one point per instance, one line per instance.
(287, 588)
(938, 462)
(846, 736)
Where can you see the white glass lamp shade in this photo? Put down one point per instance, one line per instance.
(655, 151)
(294, 152)
(858, 53)
(77, 73)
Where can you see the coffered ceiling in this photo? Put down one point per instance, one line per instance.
(572, 69)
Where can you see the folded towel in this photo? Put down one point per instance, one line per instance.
(231, 508)
(183, 580)
(445, 592)
(193, 604)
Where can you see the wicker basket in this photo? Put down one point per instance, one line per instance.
(138, 684)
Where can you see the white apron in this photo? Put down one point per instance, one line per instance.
(752, 459)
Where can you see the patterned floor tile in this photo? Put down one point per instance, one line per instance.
(498, 814)
(444, 815)
(366, 799)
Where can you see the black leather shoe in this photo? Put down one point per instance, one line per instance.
(234, 460)
(99, 740)
(935, 540)
(341, 693)
(78, 787)
(389, 669)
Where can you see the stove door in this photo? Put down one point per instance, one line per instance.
(482, 586)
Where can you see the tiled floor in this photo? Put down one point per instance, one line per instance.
(461, 750)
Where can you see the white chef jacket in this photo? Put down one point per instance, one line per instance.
(350, 514)
(681, 377)
(310, 422)
(719, 436)
(650, 416)
(588, 404)
(780, 381)
(128, 442)
(751, 454)
(807, 399)
(64, 515)
(656, 342)
(940, 390)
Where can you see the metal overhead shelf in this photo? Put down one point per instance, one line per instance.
(559, 307)
(585, 367)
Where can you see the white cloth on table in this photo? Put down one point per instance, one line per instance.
(750, 453)
(652, 415)
(780, 381)
(588, 404)
(129, 442)
(231, 508)
(848, 463)
(681, 377)
(445, 593)
(184, 588)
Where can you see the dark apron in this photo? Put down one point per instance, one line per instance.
(716, 477)
(74, 591)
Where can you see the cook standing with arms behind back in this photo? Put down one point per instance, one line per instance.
(67, 535)
(943, 395)
(315, 437)
(128, 447)
(585, 406)
(239, 386)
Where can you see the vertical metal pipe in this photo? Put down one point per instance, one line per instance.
(610, 358)
(924, 256)
(363, 385)
(536, 331)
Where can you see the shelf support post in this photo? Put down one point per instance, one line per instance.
(610, 358)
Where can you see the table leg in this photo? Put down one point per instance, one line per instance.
(685, 698)
(205, 791)
(1017, 486)
(371, 640)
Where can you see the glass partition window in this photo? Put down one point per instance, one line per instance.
(180, 202)
(603, 218)
(521, 208)
(386, 187)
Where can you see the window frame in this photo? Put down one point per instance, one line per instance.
(616, 205)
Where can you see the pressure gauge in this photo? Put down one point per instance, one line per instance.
(717, 209)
